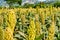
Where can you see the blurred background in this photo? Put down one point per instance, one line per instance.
(28, 3)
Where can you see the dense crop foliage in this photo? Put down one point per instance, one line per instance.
(30, 23)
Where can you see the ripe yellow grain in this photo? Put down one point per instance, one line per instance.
(8, 34)
(37, 25)
(38, 28)
(1, 20)
(51, 30)
(1, 33)
(42, 15)
(36, 17)
(11, 21)
(23, 19)
(47, 13)
(31, 30)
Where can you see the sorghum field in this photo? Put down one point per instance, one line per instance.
(30, 23)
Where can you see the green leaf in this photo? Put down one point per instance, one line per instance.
(59, 36)
(39, 37)
(1, 34)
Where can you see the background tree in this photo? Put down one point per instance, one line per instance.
(10, 2)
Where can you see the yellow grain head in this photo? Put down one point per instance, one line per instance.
(8, 34)
(11, 21)
(51, 10)
(51, 30)
(1, 20)
(1, 33)
(30, 9)
(47, 12)
(38, 28)
(31, 31)
(37, 25)
(23, 19)
(36, 17)
(42, 15)
(1, 28)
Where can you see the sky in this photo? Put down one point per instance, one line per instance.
(3, 3)
(41, 0)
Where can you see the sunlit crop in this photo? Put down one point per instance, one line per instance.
(30, 23)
